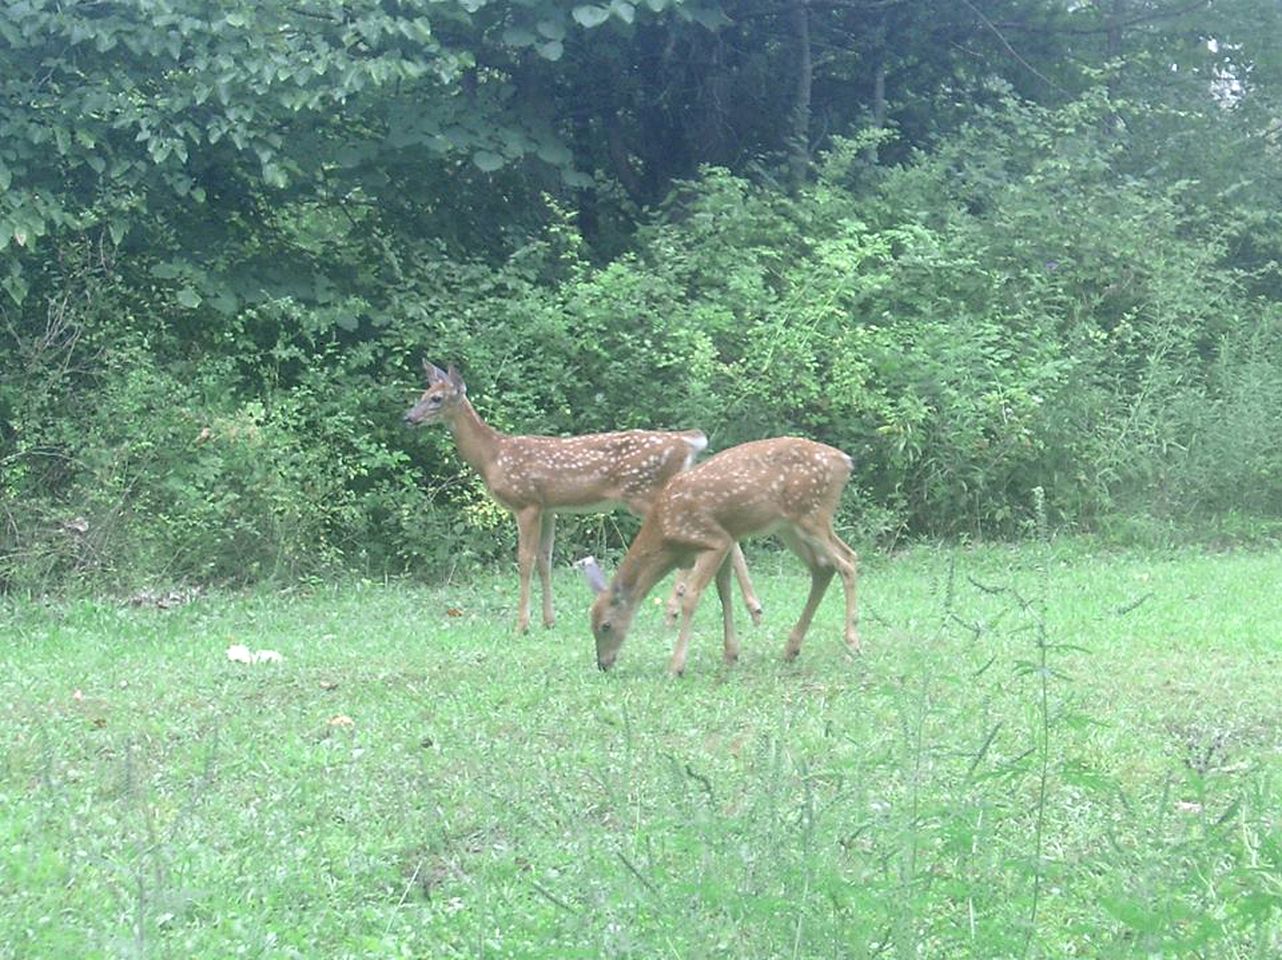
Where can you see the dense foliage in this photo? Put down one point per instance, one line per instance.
(1018, 258)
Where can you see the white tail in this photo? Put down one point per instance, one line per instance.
(537, 477)
(786, 486)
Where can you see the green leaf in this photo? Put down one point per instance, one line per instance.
(623, 10)
(274, 176)
(225, 302)
(15, 285)
(117, 228)
(557, 154)
(6, 177)
(170, 269)
(552, 29)
(552, 50)
(1079, 773)
(487, 161)
(591, 15)
(189, 297)
(711, 17)
(515, 36)
(573, 178)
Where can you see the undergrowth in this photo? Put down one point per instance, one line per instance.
(1044, 751)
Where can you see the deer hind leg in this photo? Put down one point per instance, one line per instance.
(847, 564)
(704, 569)
(730, 640)
(750, 599)
(547, 534)
(831, 551)
(821, 573)
(528, 528)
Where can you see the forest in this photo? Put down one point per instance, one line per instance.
(1018, 261)
(1018, 258)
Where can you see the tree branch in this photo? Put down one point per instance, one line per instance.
(1141, 18)
(1001, 37)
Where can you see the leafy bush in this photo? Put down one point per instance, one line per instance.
(1008, 331)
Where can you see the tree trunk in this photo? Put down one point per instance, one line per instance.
(799, 135)
(1112, 56)
(878, 88)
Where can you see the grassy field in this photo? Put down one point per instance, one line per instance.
(1043, 751)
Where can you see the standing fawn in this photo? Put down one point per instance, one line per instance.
(537, 477)
(785, 486)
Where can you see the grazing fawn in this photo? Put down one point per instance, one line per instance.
(537, 477)
(786, 486)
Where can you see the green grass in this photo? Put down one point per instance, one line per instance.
(1044, 751)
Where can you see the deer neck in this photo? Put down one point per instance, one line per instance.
(644, 565)
(478, 443)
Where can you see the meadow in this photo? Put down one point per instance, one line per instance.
(1048, 750)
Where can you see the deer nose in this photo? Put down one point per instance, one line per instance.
(604, 664)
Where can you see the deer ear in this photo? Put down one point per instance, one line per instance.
(592, 573)
(434, 373)
(455, 379)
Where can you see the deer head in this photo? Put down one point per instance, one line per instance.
(647, 562)
(611, 614)
(611, 618)
(445, 390)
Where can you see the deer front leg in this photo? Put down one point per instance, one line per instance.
(704, 569)
(547, 534)
(528, 526)
(740, 565)
(750, 599)
(847, 563)
(672, 609)
(729, 640)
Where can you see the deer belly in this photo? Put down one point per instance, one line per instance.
(596, 506)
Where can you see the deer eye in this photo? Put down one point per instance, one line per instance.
(605, 626)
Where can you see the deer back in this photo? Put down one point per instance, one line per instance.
(751, 489)
(588, 472)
